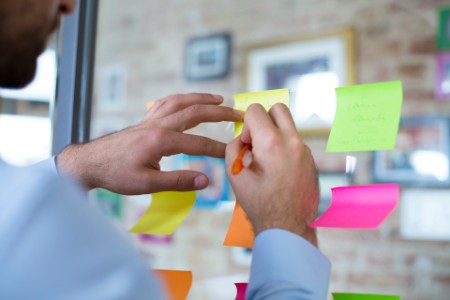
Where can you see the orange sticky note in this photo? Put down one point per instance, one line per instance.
(240, 233)
(176, 283)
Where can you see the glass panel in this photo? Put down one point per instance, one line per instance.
(147, 50)
(25, 124)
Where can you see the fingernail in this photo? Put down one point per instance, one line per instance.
(218, 97)
(200, 182)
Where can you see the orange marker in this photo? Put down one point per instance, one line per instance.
(238, 164)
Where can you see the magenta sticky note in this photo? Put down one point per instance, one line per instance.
(241, 288)
(359, 207)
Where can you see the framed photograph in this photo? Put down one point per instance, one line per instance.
(421, 155)
(444, 29)
(207, 57)
(311, 67)
(219, 189)
(443, 76)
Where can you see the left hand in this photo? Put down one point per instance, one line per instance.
(127, 162)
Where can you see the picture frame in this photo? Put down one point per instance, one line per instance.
(311, 67)
(219, 189)
(207, 57)
(443, 40)
(421, 155)
(217, 192)
(442, 89)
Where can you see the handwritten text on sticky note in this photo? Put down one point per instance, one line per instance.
(165, 213)
(367, 117)
(359, 207)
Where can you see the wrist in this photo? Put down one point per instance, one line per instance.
(70, 163)
(303, 231)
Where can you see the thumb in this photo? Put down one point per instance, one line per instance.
(246, 137)
(181, 181)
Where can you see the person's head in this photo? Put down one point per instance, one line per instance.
(25, 27)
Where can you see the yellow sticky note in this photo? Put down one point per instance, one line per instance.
(165, 213)
(266, 98)
(367, 117)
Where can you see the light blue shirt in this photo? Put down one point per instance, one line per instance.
(55, 245)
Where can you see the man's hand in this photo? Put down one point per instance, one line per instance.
(279, 189)
(127, 162)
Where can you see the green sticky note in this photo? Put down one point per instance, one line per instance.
(367, 117)
(347, 296)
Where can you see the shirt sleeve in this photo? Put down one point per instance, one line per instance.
(48, 165)
(55, 245)
(285, 266)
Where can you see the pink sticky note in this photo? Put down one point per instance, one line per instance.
(359, 207)
(241, 288)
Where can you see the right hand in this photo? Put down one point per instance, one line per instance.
(280, 187)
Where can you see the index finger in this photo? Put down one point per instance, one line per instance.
(196, 114)
(173, 103)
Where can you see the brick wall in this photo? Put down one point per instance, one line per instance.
(395, 40)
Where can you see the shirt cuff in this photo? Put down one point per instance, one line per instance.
(284, 257)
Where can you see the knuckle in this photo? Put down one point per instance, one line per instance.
(176, 97)
(207, 145)
(254, 106)
(181, 182)
(278, 107)
(295, 142)
(159, 134)
(159, 103)
(175, 101)
(272, 138)
(195, 109)
(172, 101)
